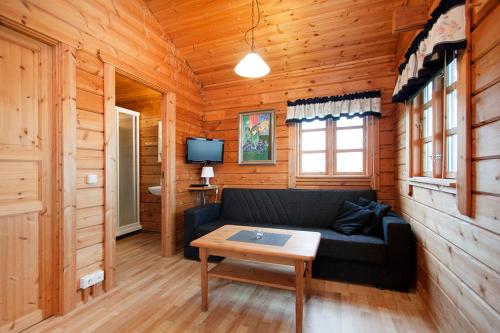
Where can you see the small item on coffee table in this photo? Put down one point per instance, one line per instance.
(259, 233)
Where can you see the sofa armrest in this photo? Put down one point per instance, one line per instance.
(193, 218)
(400, 244)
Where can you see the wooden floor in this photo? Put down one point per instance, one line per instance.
(156, 294)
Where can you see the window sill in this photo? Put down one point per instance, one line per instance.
(439, 184)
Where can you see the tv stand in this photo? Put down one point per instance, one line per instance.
(203, 189)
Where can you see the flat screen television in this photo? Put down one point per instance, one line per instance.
(201, 150)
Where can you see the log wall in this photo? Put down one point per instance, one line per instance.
(223, 102)
(458, 257)
(126, 33)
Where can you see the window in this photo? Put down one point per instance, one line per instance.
(435, 114)
(451, 120)
(427, 131)
(332, 148)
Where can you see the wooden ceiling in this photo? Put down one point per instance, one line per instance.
(293, 35)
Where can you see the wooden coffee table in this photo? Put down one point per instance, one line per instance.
(257, 263)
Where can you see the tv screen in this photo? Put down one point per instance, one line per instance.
(199, 150)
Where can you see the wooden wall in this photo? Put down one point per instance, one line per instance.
(89, 160)
(458, 257)
(126, 34)
(223, 102)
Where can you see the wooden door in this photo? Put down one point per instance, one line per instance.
(26, 181)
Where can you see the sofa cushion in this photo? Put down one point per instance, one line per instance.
(351, 218)
(311, 208)
(379, 210)
(360, 248)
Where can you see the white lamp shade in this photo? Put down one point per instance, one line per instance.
(252, 66)
(207, 172)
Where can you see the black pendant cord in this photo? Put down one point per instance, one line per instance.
(252, 46)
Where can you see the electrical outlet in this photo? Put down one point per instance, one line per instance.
(91, 179)
(91, 279)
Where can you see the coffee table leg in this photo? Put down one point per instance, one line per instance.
(299, 294)
(308, 278)
(204, 279)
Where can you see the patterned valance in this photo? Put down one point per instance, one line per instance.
(443, 33)
(333, 107)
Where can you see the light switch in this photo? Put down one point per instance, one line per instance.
(91, 179)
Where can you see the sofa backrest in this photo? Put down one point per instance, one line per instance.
(308, 208)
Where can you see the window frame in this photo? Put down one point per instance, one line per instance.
(449, 132)
(441, 178)
(331, 150)
(325, 151)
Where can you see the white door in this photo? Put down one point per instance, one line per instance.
(128, 171)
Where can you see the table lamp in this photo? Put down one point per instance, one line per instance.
(207, 172)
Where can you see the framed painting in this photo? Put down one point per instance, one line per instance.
(256, 137)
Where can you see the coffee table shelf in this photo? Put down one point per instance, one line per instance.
(269, 275)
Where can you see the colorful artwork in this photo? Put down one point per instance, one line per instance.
(256, 137)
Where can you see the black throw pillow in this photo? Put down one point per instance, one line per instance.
(351, 218)
(379, 210)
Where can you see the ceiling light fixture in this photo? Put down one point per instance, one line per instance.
(252, 65)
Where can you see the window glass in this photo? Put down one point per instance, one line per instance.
(451, 153)
(427, 122)
(350, 138)
(350, 162)
(313, 140)
(451, 109)
(451, 72)
(345, 122)
(316, 124)
(313, 163)
(427, 157)
(428, 92)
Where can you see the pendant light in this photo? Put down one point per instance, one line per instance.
(252, 65)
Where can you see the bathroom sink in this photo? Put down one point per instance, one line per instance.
(156, 190)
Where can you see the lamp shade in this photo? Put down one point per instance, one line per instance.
(207, 172)
(252, 66)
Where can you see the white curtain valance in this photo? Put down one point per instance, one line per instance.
(334, 107)
(444, 32)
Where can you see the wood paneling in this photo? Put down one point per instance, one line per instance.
(458, 267)
(89, 160)
(292, 35)
(110, 176)
(223, 102)
(127, 32)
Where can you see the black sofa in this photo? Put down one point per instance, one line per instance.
(385, 259)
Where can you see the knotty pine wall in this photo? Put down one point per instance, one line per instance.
(128, 34)
(458, 257)
(223, 102)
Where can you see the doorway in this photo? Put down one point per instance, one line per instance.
(139, 211)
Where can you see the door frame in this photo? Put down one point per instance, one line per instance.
(112, 66)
